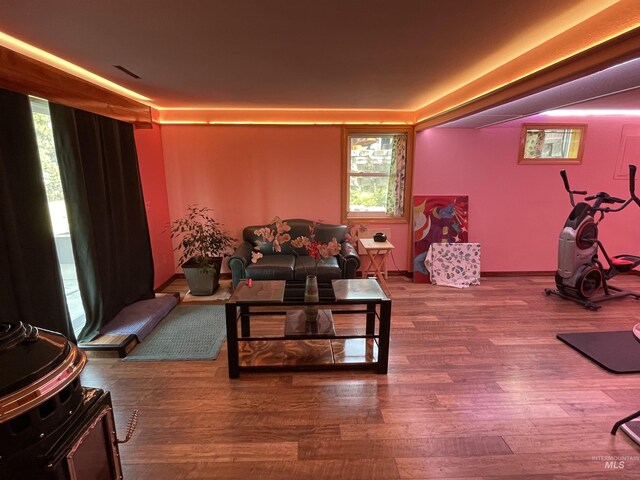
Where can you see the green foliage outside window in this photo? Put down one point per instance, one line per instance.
(368, 193)
(370, 159)
(47, 151)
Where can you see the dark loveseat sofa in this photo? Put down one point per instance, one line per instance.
(293, 263)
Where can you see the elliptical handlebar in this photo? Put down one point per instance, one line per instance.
(603, 197)
(632, 184)
(606, 198)
(565, 179)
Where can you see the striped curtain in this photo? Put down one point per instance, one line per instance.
(397, 172)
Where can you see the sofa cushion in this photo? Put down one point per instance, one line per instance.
(325, 233)
(327, 268)
(298, 228)
(272, 267)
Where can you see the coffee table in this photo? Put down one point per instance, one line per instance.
(295, 349)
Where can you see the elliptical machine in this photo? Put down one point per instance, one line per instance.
(580, 272)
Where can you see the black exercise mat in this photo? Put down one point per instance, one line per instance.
(617, 352)
(632, 429)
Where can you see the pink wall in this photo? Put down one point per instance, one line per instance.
(150, 158)
(249, 174)
(516, 211)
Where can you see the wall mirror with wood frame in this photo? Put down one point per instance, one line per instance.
(552, 143)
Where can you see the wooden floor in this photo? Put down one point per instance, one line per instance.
(478, 388)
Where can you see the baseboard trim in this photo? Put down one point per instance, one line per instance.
(521, 273)
(525, 273)
(176, 276)
(223, 276)
(168, 282)
(405, 273)
(400, 273)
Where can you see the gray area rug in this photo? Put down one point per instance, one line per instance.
(187, 333)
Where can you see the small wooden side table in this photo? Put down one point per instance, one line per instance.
(377, 253)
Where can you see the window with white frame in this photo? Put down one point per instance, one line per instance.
(376, 173)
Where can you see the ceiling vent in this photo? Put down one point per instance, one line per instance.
(128, 72)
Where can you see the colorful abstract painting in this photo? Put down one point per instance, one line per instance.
(437, 219)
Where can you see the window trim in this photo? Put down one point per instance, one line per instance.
(577, 160)
(375, 217)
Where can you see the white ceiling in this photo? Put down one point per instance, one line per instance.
(307, 54)
(596, 91)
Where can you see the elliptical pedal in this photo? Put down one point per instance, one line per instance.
(585, 303)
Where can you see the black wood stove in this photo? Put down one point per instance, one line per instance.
(51, 427)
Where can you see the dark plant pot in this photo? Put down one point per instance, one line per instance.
(202, 281)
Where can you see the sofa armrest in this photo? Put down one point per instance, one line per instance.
(238, 262)
(349, 260)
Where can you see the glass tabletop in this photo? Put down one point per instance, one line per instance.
(358, 289)
(258, 291)
(280, 291)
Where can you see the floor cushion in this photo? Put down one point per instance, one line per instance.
(140, 317)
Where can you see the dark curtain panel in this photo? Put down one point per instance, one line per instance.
(31, 285)
(107, 218)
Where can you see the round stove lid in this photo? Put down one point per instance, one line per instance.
(28, 354)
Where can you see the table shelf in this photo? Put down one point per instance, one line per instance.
(301, 354)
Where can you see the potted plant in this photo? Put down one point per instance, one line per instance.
(203, 243)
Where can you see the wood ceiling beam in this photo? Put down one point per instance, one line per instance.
(26, 75)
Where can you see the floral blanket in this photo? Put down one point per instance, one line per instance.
(454, 264)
